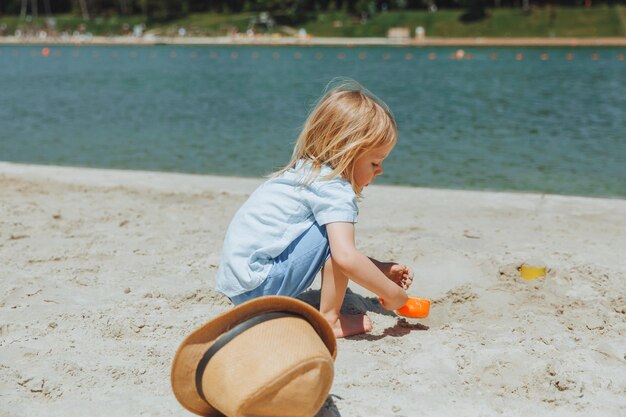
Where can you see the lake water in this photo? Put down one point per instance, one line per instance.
(524, 123)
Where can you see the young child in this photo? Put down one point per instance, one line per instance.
(302, 219)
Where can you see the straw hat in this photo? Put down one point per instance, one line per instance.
(272, 356)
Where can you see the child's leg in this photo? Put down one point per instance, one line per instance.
(295, 268)
(334, 285)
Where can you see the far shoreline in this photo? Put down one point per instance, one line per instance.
(317, 41)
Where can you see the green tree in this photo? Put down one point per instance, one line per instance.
(474, 10)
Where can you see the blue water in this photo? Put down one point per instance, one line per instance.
(555, 126)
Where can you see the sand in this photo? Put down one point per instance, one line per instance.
(103, 273)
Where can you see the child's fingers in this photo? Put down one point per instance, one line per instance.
(403, 276)
(409, 272)
(407, 281)
(402, 283)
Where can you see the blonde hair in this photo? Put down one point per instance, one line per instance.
(347, 122)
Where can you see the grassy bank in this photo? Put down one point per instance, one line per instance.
(538, 22)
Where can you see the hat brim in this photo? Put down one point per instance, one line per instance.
(186, 360)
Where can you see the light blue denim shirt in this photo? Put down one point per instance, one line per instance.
(276, 213)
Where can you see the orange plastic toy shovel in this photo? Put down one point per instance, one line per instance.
(415, 308)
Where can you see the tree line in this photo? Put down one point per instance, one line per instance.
(171, 9)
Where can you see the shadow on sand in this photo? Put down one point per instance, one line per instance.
(357, 304)
(329, 409)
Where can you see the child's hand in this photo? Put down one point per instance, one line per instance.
(401, 275)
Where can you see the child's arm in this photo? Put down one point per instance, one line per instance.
(360, 268)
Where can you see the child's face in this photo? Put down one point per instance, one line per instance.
(370, 165)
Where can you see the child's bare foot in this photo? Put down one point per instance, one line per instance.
(351, 324)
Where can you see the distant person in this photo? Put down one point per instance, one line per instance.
(302, 219)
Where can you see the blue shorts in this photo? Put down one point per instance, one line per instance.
(295, 269)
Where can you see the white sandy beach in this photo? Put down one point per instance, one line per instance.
(103, 273)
